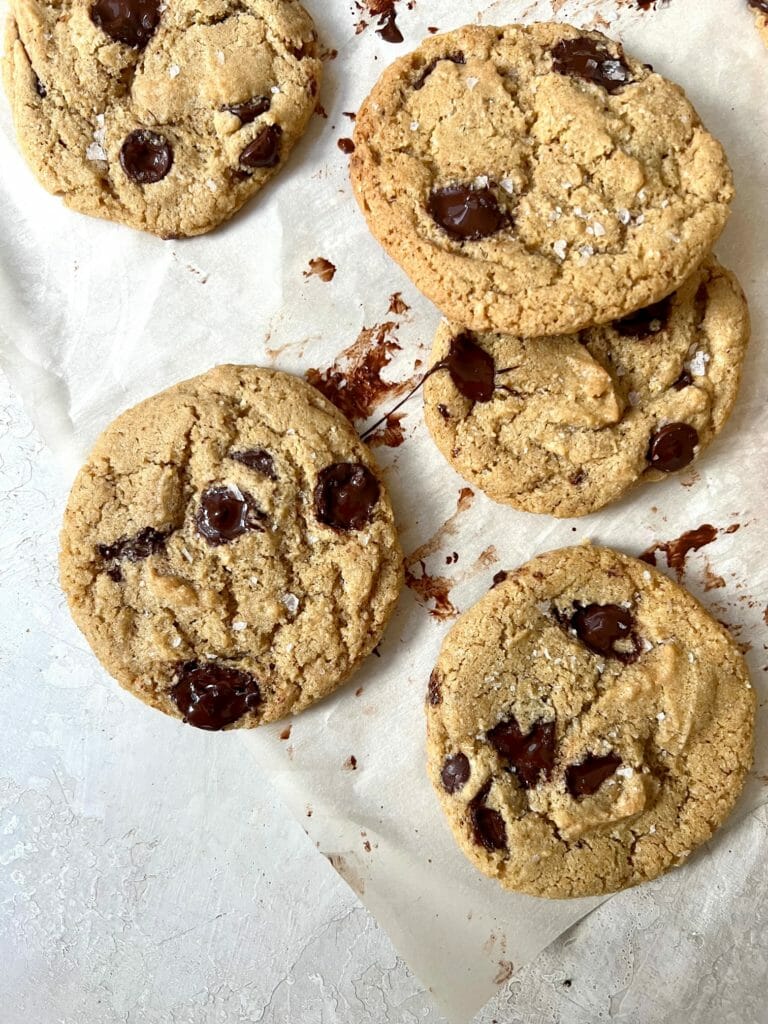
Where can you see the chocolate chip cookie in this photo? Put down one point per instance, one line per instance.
(163, 116)
(536, 179)
(229, 549)
(760, 8)
(565, 425)
(589, 725)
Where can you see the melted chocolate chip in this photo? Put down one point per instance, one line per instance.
(472, 369)
(146, 157)
(645, 323)
(224, 514)
(345, 495)
(426, 71)
(264, 151)
(433, 689)
(499, 578)
(600, 627)
(488, 827)
(389, 30)
(257, 459)
(465, 213)
(146, 542)
(212, 696)
(531, 754)
(672, 447)
(759, 5)
(586, 778)
(346, 146)
(132, 22)
(587, 59)
(250, 109)
(443, 410)
(455, 773)
(683, 381)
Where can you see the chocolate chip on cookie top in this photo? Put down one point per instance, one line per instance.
(229, 550)
(132, 22)
(536, 179)
(594, 726)
(565, 425)
(164, 118)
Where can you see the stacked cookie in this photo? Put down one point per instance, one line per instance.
(589, 724)
(558, 201)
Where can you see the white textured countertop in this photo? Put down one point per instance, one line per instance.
(149, 874)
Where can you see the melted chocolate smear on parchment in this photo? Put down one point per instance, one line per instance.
(433, 590)
(384, 12)
(354, 382)
(676, 551)
(390, 434)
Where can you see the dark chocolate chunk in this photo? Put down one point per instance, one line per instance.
(443, 410)
(586, 778)
(600, 627)
(455, 772)
(212, 696)
(465, 213)
(645, 323)
(145, 543)
(585, 58)
(488, 827)
(345, 495)
(532, 755)
(672, 447)
(250, 109)
(132, 22)
(499, 578)
(40, 89)
(264, 150)
(225, 513)
(346, 146)
(683, 381)
(433, 689)
(257, 459)
(759, 5)
(146, 157)
(426, 71)
(472, 369)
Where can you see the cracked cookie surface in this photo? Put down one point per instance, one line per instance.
(535, 179)
(588, 725)
(566, 425)
(229, 550)
(166, 117)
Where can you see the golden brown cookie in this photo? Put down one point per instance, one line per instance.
(163, 116)
(589, 725)
(565, 425)
(535, 179)
(229, 549)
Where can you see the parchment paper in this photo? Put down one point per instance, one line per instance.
(95, 317)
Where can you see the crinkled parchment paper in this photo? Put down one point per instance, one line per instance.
(95, 317)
